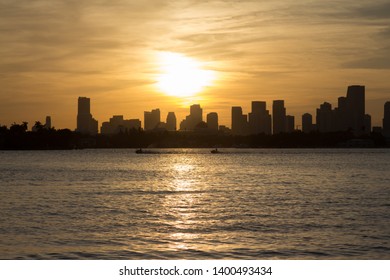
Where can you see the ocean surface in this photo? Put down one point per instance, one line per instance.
(191, 204)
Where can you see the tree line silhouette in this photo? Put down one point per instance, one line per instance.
(17, 137)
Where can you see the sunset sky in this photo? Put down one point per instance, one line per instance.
(305, 52)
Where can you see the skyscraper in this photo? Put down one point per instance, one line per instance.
(193, 119)
(85, 123)
(151, 119)
(212, 121)
(356, 108)
(47, 125)
(259, 118)
(239, 121)
(324, 117)
(258, 108)
(341, 115)
(386, 120)
(307, 123)
(196, 113)
(367, 124)
(279, 116)
(171, 121)
(290, 124)
(236, 119)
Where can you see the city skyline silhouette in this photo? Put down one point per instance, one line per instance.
(347, 125)
(349, 115)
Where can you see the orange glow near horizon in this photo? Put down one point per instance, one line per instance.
(182, 76)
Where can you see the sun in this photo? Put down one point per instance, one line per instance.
(182, 76)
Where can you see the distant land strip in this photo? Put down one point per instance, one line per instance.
(18, 138)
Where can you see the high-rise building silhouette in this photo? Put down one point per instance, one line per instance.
(356, 108)
(386, 120)
(307, 123)
(171, 122)
(341, 115)
(151, 119)
(258, 108)
(47, 124)
(259, 119)
(196, 113)
(239, 122)
(279, 117)
(183, 125)
(85, 122)
(192, 120)
(118, 124)
(290, 124)
(212, 121)
(367, 124)
(348, 116)
(324, 118)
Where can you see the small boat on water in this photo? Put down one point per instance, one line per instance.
(140, 151)
(215, 151)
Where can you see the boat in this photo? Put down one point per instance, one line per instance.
(140, 151)
(215, 151)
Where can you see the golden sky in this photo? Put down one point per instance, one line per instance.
(305, 52)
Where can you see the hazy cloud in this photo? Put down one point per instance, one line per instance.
(379, 60)
(53, 47)
(375, 10)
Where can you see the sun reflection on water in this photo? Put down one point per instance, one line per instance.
(182, 205)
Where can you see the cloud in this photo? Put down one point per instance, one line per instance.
(375, 10)
(379, 60)
(51, 31)
(53, 47)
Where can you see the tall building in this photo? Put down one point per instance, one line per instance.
(212, 121)
(151, 119)
(85, 122)
(341, 123)
(193, 119)
(307, 123)
(183, 125)
(47, 124)
(118, 124)
(196, 113)
(348, 116)
(259, 119)
(386, 120)
(324, 118)
(356, 108)
(171, 122)
(236, 119)
(279, 117)
(239, 122)
(290, 124)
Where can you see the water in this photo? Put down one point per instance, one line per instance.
(191, 204)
